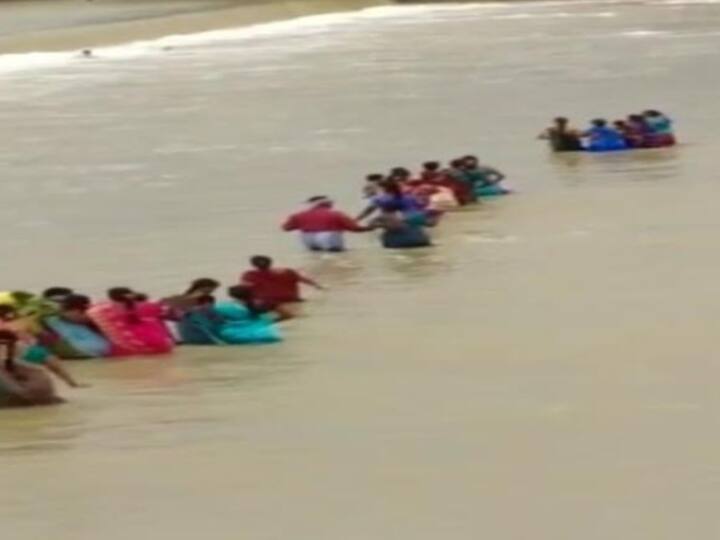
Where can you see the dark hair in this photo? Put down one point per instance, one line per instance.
(240, 292)
(120, 294)
(9, 339)
(125, 296)
(205, 300)
(75, 301)
(457, 163)
(392, 188)
(636, 118)
(561, 120)
(375, 177)
(652, 112)
(202, 283)
(245, 295)
(399, 171)
(468, 158)
(261, 262)
(599, 122)
(8, 312)
(317, 198)
(620, 123)
(55, 292)
(431, 166)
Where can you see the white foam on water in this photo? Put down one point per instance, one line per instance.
(553, 3)
(25, 61)
(307, 25)
(486, 239)
(643, 33)
(311, 24)
(556, 15)
(683, 2)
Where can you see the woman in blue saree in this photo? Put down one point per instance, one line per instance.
(238, 321)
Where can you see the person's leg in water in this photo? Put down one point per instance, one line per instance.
(308, 240)
(328, 241)
(333, 241)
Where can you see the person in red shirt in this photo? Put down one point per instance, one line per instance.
(275, 286)
(321, 226)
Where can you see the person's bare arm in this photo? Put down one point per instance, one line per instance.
(309, 281)
(351, 225)
(492, 175)
(366, 212)
(290, 224)
(282, 313)
(55, 366)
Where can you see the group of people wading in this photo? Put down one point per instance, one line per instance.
(400, 205)
(38, 332)
(650, 129)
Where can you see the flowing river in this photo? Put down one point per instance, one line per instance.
(547, 371)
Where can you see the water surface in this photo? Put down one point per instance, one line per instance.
(547, 371)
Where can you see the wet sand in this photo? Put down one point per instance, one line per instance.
(30, 26)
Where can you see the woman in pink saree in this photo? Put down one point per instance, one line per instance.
(133, 325)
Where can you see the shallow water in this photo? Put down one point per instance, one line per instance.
(546, 371)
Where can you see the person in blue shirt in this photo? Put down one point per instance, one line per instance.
(602, 138)
(390, 196)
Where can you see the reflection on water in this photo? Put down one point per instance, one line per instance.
(639, 165)
(415, 264)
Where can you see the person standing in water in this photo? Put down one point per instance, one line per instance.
(11, 390)
(462, 187)
(372, 185)
(660, 129)
(634, 137)
(431, 173)
(275, 286)
(392, 193)
(401, 230)
(322, 227)
(602, 138)
(481, 175)
(22, 385)
(31, 350)
(562, 137)
(178, 304)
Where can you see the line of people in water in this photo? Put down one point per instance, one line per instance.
(39, 332)
(650, 129)
(401, 205)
